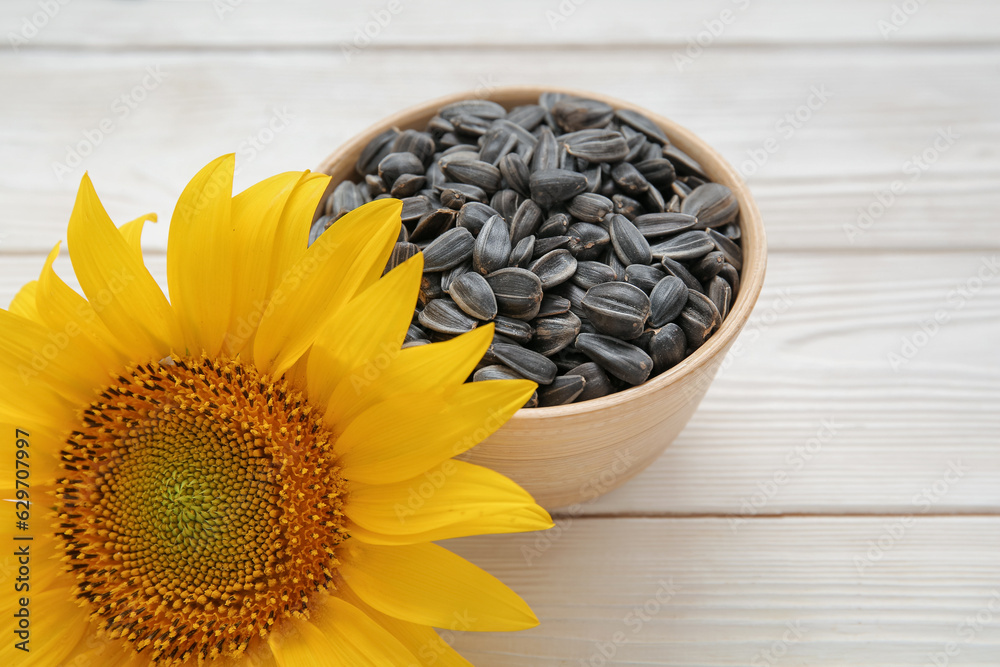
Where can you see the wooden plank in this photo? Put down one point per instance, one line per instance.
(394, 23)
(809, 415)
(885, 107)
(792, 591)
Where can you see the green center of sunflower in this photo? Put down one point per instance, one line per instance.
(201, 503)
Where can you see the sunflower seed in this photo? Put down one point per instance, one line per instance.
(553, 334)
(522, 253)
(513, 169)
(546, 155)
(474, 172)
(480, 108)
(506, 203)
(655, 225)
(713, 204)
(675, 268)
(466, 124)
(684, 163)
(680, 189)
(345, 198)
(574, 294)
(699, 319)
(408, 185)
(731, 276)
(518, 331)
(434, 224)
(721, 295)
(636, 144)
(627, 206)
(374, 152)
(666, 347)
(551, 186)
(472, 294)
(597, 384)
(430, 288)
(603, 147)
(674, 205)
(491, 249)
(611, 259)
(444, 316)
(587, 241)
(321, 225)
(642, 276)
(497, 143)
(525, 139)
(451, 275)
(637, 121)
(553, 304)
(395, 165)
(590, 207)
(684, 247)
(376, 186)
(554, 268)
(628, 178)
(463, 191)
(623, 360)
(420, 144)
(526, 221)
(589, 274)
(473, 216)
(556, 224)
(547, 245)
(617, 309)
(415, 343)
(496, 372)
(667, 299)
(527, 116)
(574, 114)
(518, 292)
(728, 247)
(630, 246)
(400, 253)
(653, 201)
(658, 171)
(528, 363)
(593, 176)
(708, 266)
(563, 390)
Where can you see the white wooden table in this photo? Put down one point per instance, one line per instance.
(836, 499)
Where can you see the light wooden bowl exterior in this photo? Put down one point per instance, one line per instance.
(571, 454)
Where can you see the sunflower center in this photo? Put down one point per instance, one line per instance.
(200, 504)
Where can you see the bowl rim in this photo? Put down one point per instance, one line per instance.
(751, 224)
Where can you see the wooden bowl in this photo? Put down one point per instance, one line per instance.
(573, 453)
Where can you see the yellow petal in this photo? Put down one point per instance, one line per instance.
(200, 257)
(337, 634)
(57, 624)
(116, 282)
(291, 237)
(62, 309)
(452, 492)
(132, 231)
(33, 451)
(23, 304)
(367, 331)
(256, 216)
(346, 259)
(37, 362)
(415, 370)
(524, 519)
(421, 640)
(427, 584)
(407, 434)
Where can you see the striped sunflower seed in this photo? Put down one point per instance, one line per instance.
(625, 205)
(552, 186)
(518, 292)
(656, 225)
(434, 224)
(713, 204)
(473, 216)
(491, 249)
(547, 245)
(444, 316)
(642, 276)
(563, 390)
(589, 273)
(630, 245)
(522, 253)
(727, 247)
(708, 266)
(574, 114)
(605, 147)
(374, 152)
(420, 144)
(528, 116)
(518, 331)
(496, 372)
(617, 309)
(430, 288)
(449, 250)
(400, 253)
(395, 165)
(667, 299)
(528, 363)
(598, 383)
(482, 108)
(622, 360)
(497, 143)
(506, 203)
(685, 246)
(731, 276)
(628, 178)
(451, 275)
(556, 224)
(408, 185)
(590, 207)
(513, 169)
(556, 333)
(666, 347)
(553, 304)
(638, 122)
(473, 295)
(587, 241)
(415, 208)
(475, 172)
(699, 319)
(546, 154)
(721, 295)
(526, 222)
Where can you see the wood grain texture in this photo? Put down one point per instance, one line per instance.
(884, 107)
(735, 597)
(299, 24)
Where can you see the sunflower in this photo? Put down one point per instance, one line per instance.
(252, 472)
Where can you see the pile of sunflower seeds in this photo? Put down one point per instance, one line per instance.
(601, 252)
